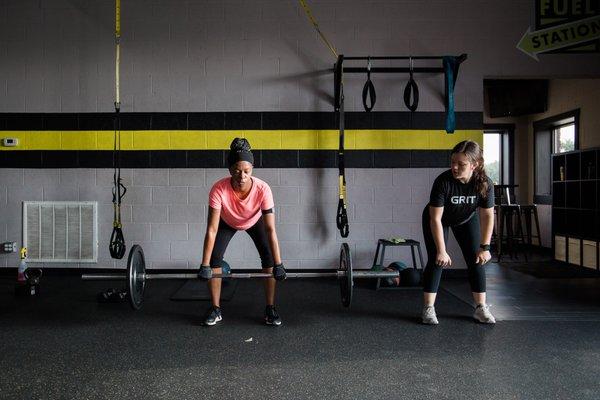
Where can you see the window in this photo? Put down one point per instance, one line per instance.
(498, 154)
(563, 138)
(552, 135)
(492, 155)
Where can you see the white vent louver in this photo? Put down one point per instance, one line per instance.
(60, 231)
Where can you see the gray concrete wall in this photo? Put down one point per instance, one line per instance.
(58, 56)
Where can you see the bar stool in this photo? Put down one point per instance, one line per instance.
(528, 211)
(508, 214)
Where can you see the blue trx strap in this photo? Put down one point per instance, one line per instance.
(450, 74)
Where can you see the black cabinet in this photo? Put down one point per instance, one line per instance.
(575, 207)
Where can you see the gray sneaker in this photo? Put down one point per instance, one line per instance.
(428, 316)
(482, 314)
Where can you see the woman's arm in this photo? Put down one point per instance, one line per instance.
(486, 221)
(435, 222)
(272, 236)
(212, 226)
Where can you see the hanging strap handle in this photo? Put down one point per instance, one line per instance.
(117, 246)
(369, 89)
(411, 88)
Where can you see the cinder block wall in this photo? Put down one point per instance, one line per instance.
(164, 210)
(58, 57)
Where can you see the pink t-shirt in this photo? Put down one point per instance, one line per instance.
(240, 214)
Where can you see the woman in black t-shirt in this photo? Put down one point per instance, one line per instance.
(461, 198)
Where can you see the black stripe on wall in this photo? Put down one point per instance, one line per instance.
(236, 121)
(218, 159)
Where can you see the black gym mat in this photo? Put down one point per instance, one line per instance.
(552, 270)
(195, 289)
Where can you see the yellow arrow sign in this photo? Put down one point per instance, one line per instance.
(557, 37)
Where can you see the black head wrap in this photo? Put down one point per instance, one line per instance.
(239, 151)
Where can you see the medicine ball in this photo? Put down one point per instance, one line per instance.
(395, 266)
(410, 277)
(398, 266)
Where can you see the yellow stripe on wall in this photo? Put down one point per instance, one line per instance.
(355, 139)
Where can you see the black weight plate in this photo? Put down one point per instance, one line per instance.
(346, 283)
(136, 276)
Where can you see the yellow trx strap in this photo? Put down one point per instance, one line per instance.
(316, 25)
(118, 52)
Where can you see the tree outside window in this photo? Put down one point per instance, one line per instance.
(564, 138)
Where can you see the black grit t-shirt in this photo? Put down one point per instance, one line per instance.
(460, 200)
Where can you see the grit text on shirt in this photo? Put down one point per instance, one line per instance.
(463, 199)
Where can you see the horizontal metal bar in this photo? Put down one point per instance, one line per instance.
(104, 277)
(375, 274)
(312, 274)
(235, 275)
(390, 70)
(171, 276)
(393, 57)
(249, 275)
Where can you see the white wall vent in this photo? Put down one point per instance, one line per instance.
(60, 231)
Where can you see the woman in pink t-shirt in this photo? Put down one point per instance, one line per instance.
(241, 203)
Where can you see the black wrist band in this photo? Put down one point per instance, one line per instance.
(485, 247)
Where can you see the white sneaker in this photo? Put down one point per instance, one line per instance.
(482, 314)
(428, 316)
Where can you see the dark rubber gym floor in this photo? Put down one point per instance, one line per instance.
(63, 344)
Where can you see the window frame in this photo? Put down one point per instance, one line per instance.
(506, 154)
(575, 139)
(551, 124)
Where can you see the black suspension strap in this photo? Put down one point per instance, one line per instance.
(369, 89)
(411, 88)
(117, 240)
(342, 215)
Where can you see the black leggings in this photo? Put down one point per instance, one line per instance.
(258, 234)
(467, 235)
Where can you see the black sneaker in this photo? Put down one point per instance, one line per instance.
(213, 316)
(271, 316)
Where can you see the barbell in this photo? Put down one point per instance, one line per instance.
(137, 276)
